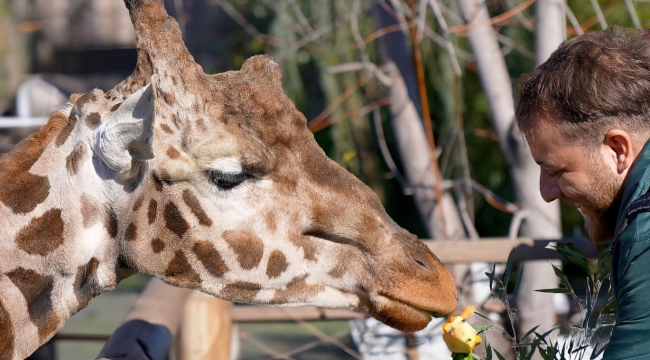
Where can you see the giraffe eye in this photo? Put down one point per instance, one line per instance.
(226, 181)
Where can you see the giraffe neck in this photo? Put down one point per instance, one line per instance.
(58, 246)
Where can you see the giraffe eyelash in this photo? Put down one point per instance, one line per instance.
(227, 181)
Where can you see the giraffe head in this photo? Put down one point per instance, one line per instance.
(217, 184)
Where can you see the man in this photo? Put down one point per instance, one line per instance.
(585, 114)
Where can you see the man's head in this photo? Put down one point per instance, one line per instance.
(585, 113)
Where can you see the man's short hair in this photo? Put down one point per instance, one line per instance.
(590, 84)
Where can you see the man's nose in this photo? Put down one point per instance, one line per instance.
(548, 186)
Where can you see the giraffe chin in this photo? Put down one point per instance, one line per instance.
(398, 314)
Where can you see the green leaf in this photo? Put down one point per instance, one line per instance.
(519, 277)
(509, 265)
(461, 356)
(501, 357)
(530, 332)
(484, 317)
(546, 334)
(574, 256)
(555, 291)
(563, 279)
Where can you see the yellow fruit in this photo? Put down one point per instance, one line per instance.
(459, 335)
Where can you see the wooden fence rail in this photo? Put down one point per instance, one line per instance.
(203, 324)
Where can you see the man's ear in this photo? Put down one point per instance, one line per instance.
(128, 136)
(619, 146)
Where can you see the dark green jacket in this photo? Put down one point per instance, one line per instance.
(631, 266)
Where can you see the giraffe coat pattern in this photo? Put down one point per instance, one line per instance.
(210, 182)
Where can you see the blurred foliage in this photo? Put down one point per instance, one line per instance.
(308, 38)
(350, 139)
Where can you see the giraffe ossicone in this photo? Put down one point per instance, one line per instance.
(210, 182)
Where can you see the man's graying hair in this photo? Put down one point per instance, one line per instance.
(590, 84)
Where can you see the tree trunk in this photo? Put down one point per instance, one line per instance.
(543, 220)
(440, 216)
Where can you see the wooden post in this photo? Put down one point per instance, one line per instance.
(147, 330)
(206, 328)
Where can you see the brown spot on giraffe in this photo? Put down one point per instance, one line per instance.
(277, 264)
(175, 121)
(297, 290)
(138, 203)
(248, 247)
(339, 270)
(37, 290)
(75, 160)
(157, 182)
(7, 333)
(200, 125)
(74, 97)
(24, 192)
(309, 247)
(86, 98)
(195, 206)
(173, 153)
(110, 223)
(168, 97)
(152, 211)
(210, 258)
(115, 107)
(90, 211)
(174, 220)
(166, 128)
(157, 245)
(20, 190)
(180, 273)
(93, 120)
(241, 291)
(270, 219)
(85, 283)
(43, 234)
(67, 130)
(131, 232)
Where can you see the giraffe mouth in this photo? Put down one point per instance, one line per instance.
(397, 313)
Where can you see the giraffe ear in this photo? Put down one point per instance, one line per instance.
(128, 136)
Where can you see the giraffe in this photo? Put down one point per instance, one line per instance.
(209, 182)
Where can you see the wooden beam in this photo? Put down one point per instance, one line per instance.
(497, 249)
(250, 313)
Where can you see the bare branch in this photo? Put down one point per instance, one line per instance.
(464, 213)
(599, 14)
(445, 29)
(301, 17)
(421, 20)
(433, 36)
(358, 39)
(385, 153)
(573, 20)
(241, 20)
(515, 45)
(635, 18)
(358, 66)
(522, 19)
(491, 21)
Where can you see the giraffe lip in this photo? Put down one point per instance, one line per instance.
(398, 314)
(408, 305)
